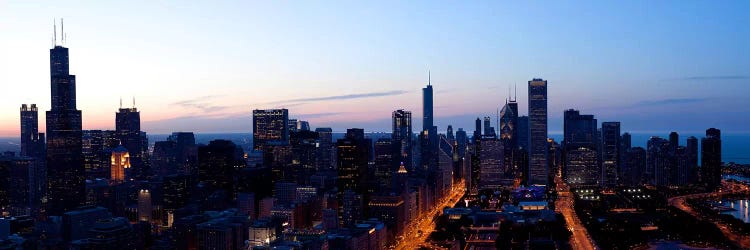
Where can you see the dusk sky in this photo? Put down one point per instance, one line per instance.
(203, 67)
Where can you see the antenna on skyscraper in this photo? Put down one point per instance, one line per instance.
(120, 102)
(515, 98)
(133, 101)
(62, 30)
(54, 32)
(429, 78)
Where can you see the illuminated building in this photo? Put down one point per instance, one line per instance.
(402, 138)
(32, 142)
(128, 129)
(144, 205)
(492, 173)
(581, 151)
(120, 161)
(270, 125)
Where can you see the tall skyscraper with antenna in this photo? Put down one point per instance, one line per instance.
(128, 130)
(65, 171)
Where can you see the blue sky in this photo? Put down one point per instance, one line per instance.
(203, 66)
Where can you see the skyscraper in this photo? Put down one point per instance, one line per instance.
(610, 153)
(32, 142)
(128, 129)
(692, 155)
(508, 126)
(427, 119)
(325, 155)
(488, 129)
(270, 126)
(65, 171)
(119, 162)
(711, 158)
(658, 161)
(477, 130)
(581, 151)
(538, 132)
(402, 138)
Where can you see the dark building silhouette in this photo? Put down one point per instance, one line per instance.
(461, 142)
(489, 131)
(449, 133)
(427, 106)
(217, 163)
(384, 158)
(692, 158)
(538, 132)
(65, 170)
(659, 165)
(353, 153)
(634, 166)
(325, 148)
(711, 158)
(508, 133)
(477, 130)
(610, 153)
(32, 142)
(401, 139)
(128, 129)
(270, 126)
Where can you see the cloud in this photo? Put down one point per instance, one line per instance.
(671, 101)
(201, 103)
(342, 97)
(704, 78)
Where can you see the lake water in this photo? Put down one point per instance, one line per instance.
(742, 209)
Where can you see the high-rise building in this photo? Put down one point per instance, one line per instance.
(658, 162)
(674, 141)
(32, 142)
(538, 132)
(449, 134)
(522, 132)
(610, 153)
(65, 171)
(427, 108)
(508, 126)
(477, 130)
(489, 131)
(711, 158)
(493, 175)
(217, 163)
(384, 160)
(128, 129)
(581, 159)
(634, 166)
(353, 153)
(402, 139)
(270, 126)
(461, 141)
(120, 161)
(692, 155)
(144, 205)
(325, 152)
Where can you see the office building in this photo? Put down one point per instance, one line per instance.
(120, 161)
(402, 139)
(270, 126)
(538, 132)
(581, 158)
(65, 170)
(32, 142)
(128, 129)
(711, 158)
(610, 153)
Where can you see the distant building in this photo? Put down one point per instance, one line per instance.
(325, 152)
(610, 153)
(580, 146)
(493, 174)
(32, 142)
(402, 139)
(711, 158)
(217, 163)
(270, 126)
(128, 129)
(658, 162)
(634, 166)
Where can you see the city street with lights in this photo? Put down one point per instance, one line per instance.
(564, 205)
(418, 230)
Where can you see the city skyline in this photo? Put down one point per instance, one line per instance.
(669, 84)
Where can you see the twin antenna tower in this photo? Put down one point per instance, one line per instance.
(54, 33)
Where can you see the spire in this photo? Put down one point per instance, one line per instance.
(62, 31)
(429, 78)
(515, 99)
(54, 32)
(120, 102)
(133, 102)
